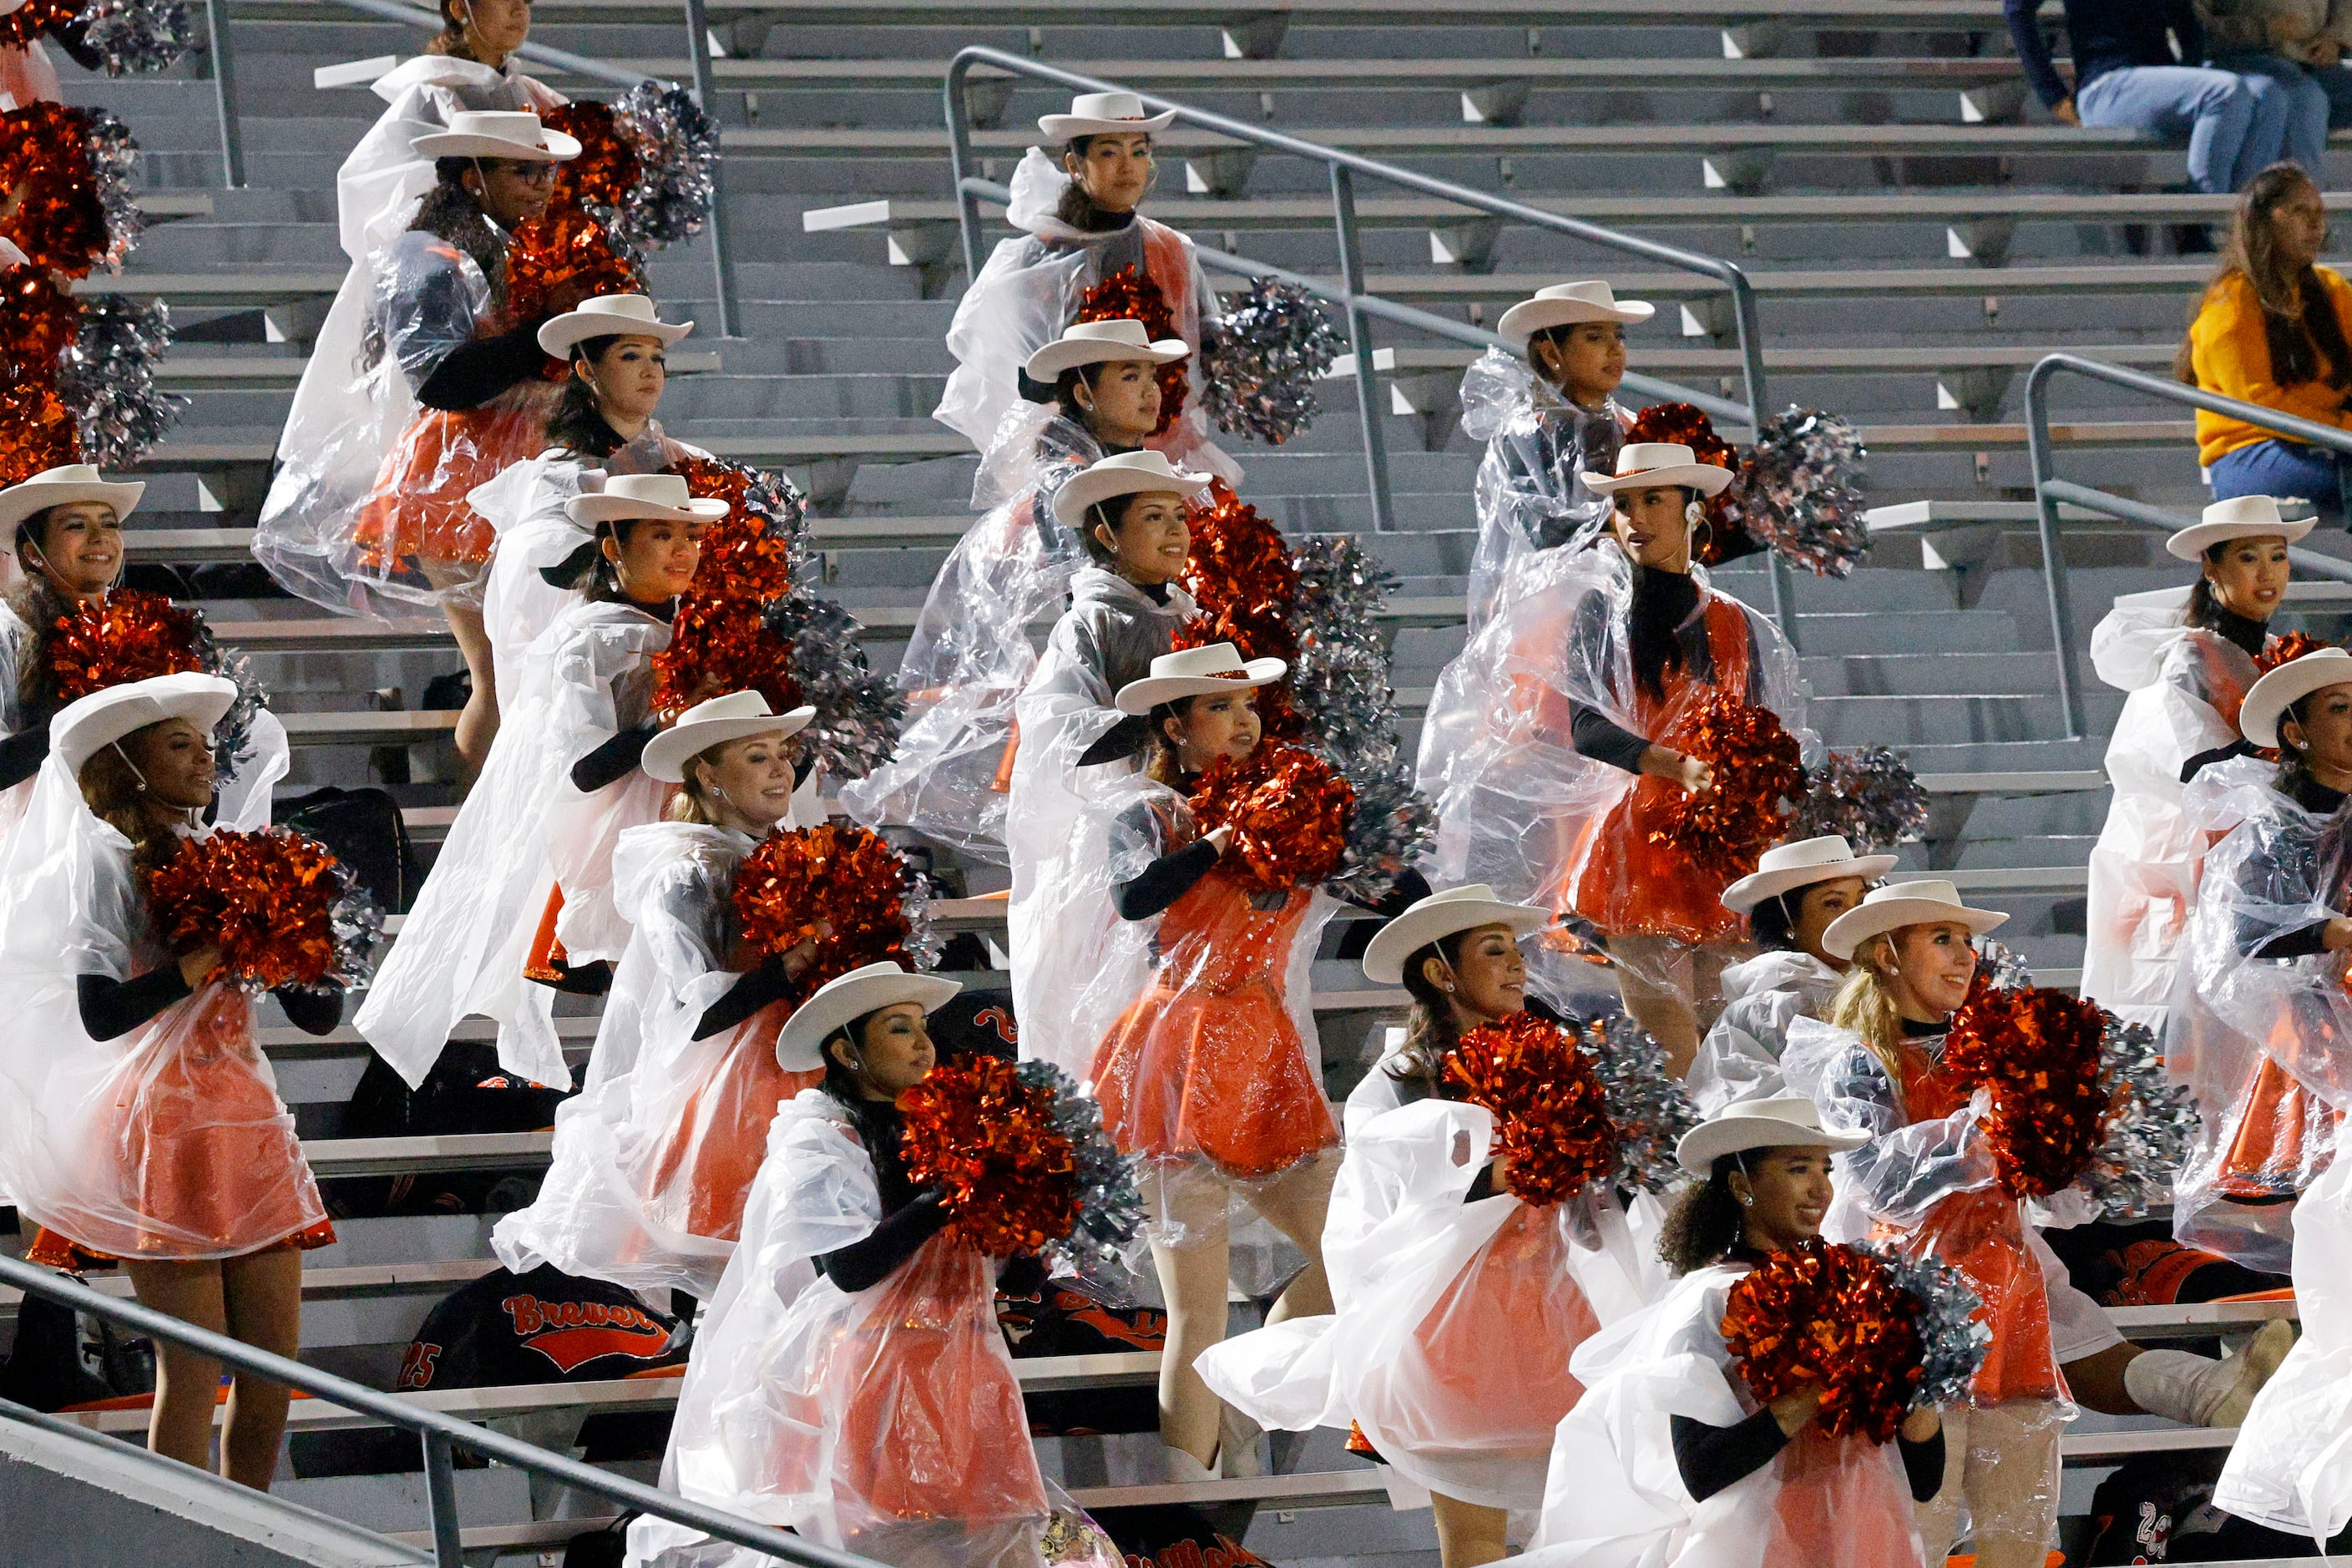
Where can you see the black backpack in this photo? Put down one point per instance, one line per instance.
(363, 827)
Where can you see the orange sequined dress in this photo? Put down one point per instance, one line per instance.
(696, 1176)
(417, 510)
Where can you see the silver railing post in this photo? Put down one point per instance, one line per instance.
(959, 165)
(441, 1499)
(1750, 325)
(224, 63)
(2053, 555)
(706, 92)
(1369, 403)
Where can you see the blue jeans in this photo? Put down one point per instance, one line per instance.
(2236, 124)
(2309, 93)
(2282, 467)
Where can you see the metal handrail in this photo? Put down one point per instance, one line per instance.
(1349, 292)
(438, 1433)
(2049, 490)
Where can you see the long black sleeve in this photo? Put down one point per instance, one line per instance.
(313, 1012)
(22, 754)
(73, 36)
(614, 760)
(1164, 881)
(473, 372)
(2204, 760)
(112, 1008)
(2299, 942)
(1124, 739)
(1596, 737)
(1710, 1458)
(753, 990)
(869, 1260)
(1923, 1464)
(2033, 51)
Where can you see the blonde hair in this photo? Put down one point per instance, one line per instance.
(1865, 1005)
(692, 802)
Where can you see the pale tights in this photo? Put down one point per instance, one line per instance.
(478, 725)
(1193, 1200)
(2003, 1460)
(1468, 1533)
(1658, 977)
(256, 1298)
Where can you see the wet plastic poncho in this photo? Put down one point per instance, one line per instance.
(654, 1157)
(970, 655)
(1074, 963)
(524, 506)
(1740, 1057)
(1520, 809)
(2258, 1040)
(1615, 1499)
(2185, 686)
(349, 410)
(1454, 1321)
(1530, 492)
(167, 1143)
(1029, 292)
(523, 832)
(888, 1422)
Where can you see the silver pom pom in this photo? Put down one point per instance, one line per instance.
(1800, 491)
(1952, 1342)
(1869, 796)
(1259, 366)
(1651, 1108)
(678, 161)
(922, 943)
(233, 736)
(1110, 1209)
(108, 377)
(2149, 1133)
(137, 37)
(858, 712)
(2002, 970)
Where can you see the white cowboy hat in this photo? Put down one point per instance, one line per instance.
(660, 496)
(606, 316)
(1097, 342)
(714, 723)
(1465, 908)
(64, 487)
(1103, 115)
(1785, 867)
(1924, 900)
(1196, 672)
(1564, 303)
(1123, 474)
(2274, 693)
(1787, 1122)
(87, 725)
(800, 1045)
(1646, 463)
(2240, 517)
(513, 133)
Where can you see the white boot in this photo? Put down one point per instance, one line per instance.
(2198, 1391)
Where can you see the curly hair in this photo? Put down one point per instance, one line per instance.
(1706, 1223)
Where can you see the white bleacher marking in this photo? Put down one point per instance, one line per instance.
(354, 73)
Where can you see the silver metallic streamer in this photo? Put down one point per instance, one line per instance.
(1869, 795)
(1952, 1341)
(137, 37)
(2148, 1136)
(678, 160)
(1799, 492)
(108, 377)
(1651, 1108)
(2001, 968)
(113, 154)
(1259, 366)
(1110, 1209)
(858, 712)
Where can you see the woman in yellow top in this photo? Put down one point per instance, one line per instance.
(2276, 329)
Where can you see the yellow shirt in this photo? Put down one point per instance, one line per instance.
(2232, 357)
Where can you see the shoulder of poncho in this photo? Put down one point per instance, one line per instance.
(1779, 971)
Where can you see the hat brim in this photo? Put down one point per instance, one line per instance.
(1415, 928)
(593, 510)
(1091, 487)
(559, 149)
(666, 755)
(559, 335)
(1859, 924)
(1757, 885)
(1062, 127)
(2193, 541)
(21, 501)
(800, 1045)
(1732, 1134)
(1529, 317)
(1141, 697)
(1048, 362)
(117, 711)
(2269, 699)
(1704, 478)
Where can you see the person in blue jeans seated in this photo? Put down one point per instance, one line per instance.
(2127, 76)
(2300, 44)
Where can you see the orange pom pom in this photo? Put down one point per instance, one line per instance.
(1130, 294)
(128, 635)
(2286, 649)
(2038, 1051)
(564, 256)
(1551, 1113)
(1288, 811)
(47, 153)
(42, 322)
(607, 165)
(989, 1143)
(265, 899)
(843, 888)
(1723, 830)
(1821, 1314)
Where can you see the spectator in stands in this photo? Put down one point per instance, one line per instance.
(141, 1122)
(2127, 75)
(1796, 893)
(2187, 657)
(2274, 328)
(2300, 44)
(1547, 420)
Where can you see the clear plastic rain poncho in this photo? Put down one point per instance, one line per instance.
(1029, 292)
(2185, 686)
(1074, 963)
(888, 1422)
(970, 655)
(1530, 493)
(343, 505)
(1740, 1057)
(523, 833)
(1615, 1499)
(1454, 1321)
(2264, 1044)
(168, 1142)
(1927, 1184)
(1520, 809)
(654, 1157)
(524, 506)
